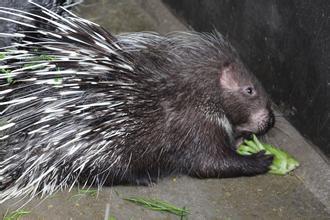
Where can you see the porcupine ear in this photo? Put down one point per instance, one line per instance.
(227, 77)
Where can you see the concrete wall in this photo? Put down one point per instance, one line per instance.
(286, 44)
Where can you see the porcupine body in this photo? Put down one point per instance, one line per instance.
(79, 105)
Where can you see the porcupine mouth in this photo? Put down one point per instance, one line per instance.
(247, 134)
(244, 134)
(259, 124)
(260, 128)
(241, 136)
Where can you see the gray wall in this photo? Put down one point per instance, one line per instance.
(286, 44)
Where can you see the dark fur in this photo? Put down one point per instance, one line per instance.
(175, 134)
(180, 108)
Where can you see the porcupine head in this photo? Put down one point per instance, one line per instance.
(212, 102)
(244, 101)
(223, 86)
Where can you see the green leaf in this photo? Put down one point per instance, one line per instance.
(245, 150)
(58, 80)
(16, 214)
(8, 75)
(158, 205)
(85, 192)
(282, 164)
(252, 145)
(260, 145)
(2, 56)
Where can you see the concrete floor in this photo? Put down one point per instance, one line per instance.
(302, 195)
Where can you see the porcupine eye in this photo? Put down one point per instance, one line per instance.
(249, 91)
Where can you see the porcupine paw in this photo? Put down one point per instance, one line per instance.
(258, 163)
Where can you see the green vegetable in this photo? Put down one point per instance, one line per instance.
(16, 215)
(36, 60)
(8, 75)
(2, 56)
(282, 164)
(32, 62)
(90, 192)
(158, 205)
(85, 192)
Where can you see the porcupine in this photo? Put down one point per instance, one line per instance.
(103, 109)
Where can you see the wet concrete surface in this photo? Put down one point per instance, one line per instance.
(302, 195)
